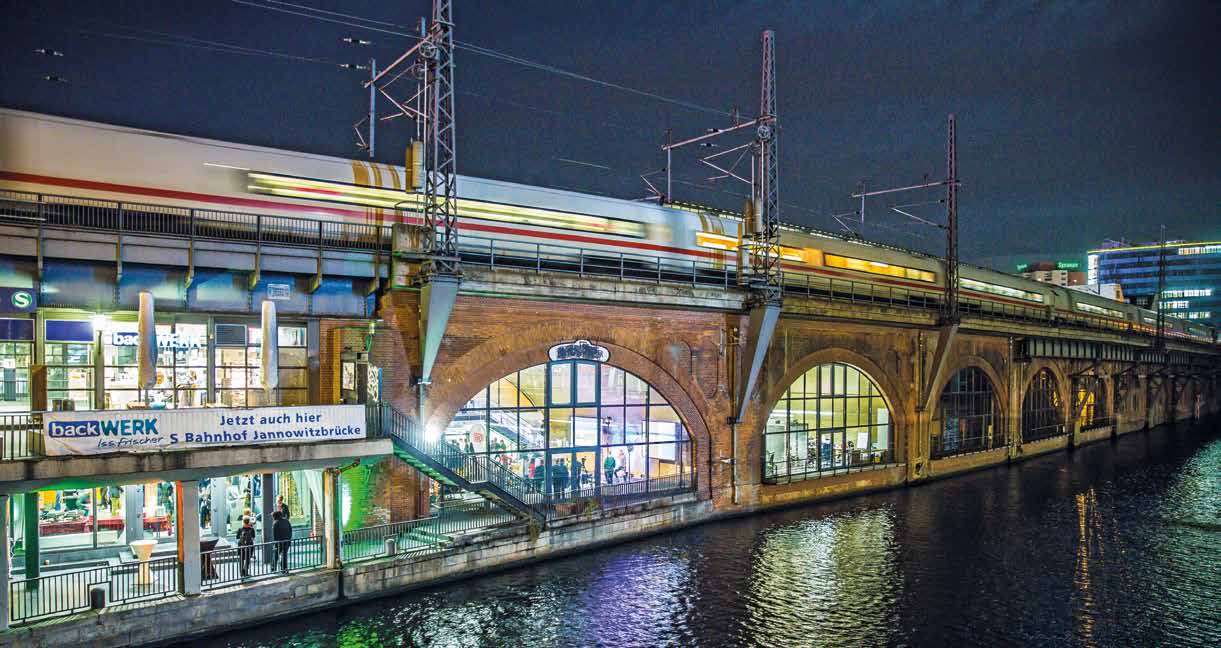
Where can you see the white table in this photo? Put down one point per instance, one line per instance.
(143, 549)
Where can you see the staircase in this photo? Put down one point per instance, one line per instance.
(445, 462)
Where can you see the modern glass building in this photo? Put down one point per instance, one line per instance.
(1193, 277)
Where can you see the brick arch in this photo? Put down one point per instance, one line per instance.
(495, 358)
(1062, 388)
(880, 377)
(1000, 387)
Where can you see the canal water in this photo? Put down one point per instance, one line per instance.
(1115, 544)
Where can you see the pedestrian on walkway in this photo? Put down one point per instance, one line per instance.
(282, 507)
(245, 544)
(282, 533)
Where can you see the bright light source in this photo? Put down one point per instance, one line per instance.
(432, 434)
(99, 322)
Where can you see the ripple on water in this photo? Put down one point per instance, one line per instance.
(1112, 545)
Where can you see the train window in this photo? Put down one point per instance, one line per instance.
(724, 242)
(1099, 310)
(878, 268)
(995, 289)
(339, 192)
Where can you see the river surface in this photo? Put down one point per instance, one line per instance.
(1115, 544)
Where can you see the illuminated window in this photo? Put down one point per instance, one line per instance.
(1200, 249)
(723, 242)
(1099, 310)
(239, 367)
(878, 268)
(338, 192)
(831, 418)
(577, 428)
(1091, 402)
(995, 289)
(1194, 292)
(1200, 315)
(1175, 304)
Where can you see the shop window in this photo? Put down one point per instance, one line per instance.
(831, 418)
(182, 366)
(576, 428)
(15, 360)
(70, 374)
(239, 368)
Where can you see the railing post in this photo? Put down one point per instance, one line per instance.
(538, 258)
(330, 518)
(581, 268)
(492, 253)
(4, 563)
(190, 578)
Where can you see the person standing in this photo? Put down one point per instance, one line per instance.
(282, 507)
(282, 533)
(245, 544)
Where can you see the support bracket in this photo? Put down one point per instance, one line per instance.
(945, 341)
(760, 328)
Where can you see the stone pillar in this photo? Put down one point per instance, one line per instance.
(219, 489)
(4, 563)
(133, 511)
(331, 523)
(29, 516)
(268, 503)
(187, 504)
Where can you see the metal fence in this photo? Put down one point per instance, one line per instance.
(609, 496)
(22, 436)
(411, 537)
(67, 592)
(230, 565)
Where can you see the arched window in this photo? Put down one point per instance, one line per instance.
(578, 428)
(831, 418)
(1042, 415)
(967, 417)
(1090, 396)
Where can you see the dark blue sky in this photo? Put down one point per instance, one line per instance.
(1078, 121)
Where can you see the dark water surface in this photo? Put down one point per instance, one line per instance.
(1116, 544)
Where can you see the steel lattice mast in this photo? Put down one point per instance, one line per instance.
(766, 238)
(951, 314)
(441, 155)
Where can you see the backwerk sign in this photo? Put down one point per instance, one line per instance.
(101, 432)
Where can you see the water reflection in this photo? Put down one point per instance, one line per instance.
(1111, 545)
(823, 581)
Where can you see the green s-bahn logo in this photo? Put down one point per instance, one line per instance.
(22, 299)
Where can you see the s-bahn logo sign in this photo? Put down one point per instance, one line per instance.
(17, 300)
(579, 350)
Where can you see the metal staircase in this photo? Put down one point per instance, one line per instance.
(445, 462)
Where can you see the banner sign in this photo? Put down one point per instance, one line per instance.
(107, 431)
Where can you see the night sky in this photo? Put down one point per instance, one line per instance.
(1078, 121)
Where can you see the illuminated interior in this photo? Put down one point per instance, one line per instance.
(1099, 310)
(996, 289)
(730, 243)
(878, 268)
(290, 187)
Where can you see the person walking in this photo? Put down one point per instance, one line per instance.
(245, 544)
(282, 533)
(282, 507)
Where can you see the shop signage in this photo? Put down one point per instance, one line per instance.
(164, 340)
(17, 300)
(103, 432)
(579, 350)
(279, 291)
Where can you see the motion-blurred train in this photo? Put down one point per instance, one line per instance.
(67, 157)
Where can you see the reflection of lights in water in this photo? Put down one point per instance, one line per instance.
(634, 600)
(1089, 542)
(824, 581)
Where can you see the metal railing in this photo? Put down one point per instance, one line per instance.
(22, 436)
(67, 592)
(411, 537)
(821, 464)
(460, 517)
(609, 496)
(76, 213)
(230, 565)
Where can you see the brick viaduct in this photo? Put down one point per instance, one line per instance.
(691, 355)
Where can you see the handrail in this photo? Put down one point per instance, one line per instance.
(81, 213)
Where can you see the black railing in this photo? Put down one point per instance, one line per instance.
(62, 593)
(22, 436)
(411, 537)
(223, 567)
(821, 464)
(939, 449)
